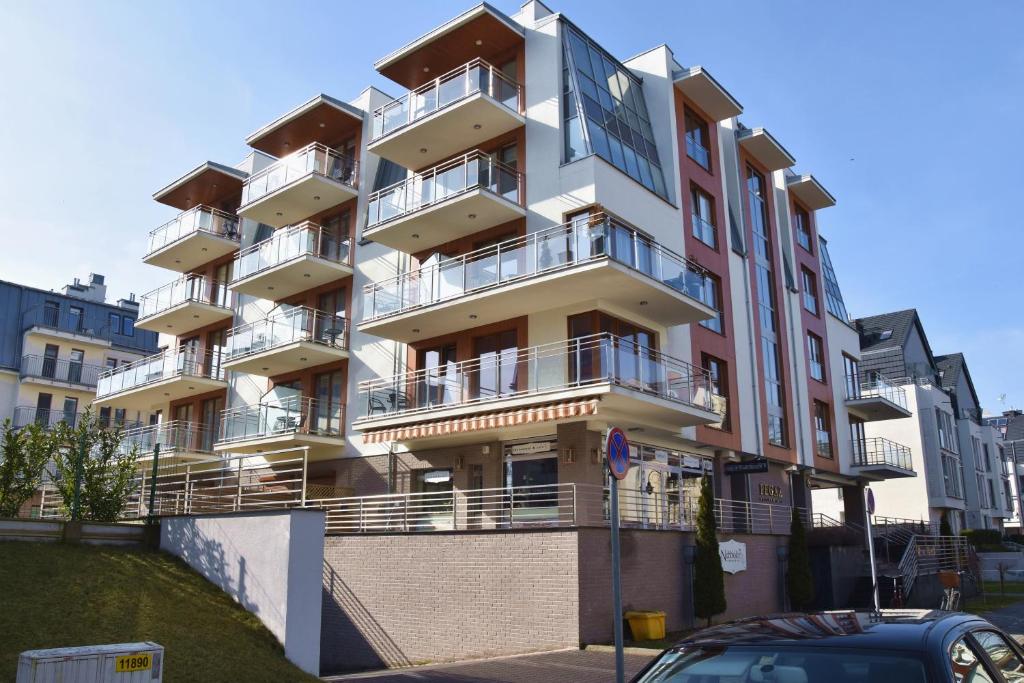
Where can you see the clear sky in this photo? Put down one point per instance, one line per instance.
(908, 112)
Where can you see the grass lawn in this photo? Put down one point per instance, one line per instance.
(55, 595)
(992, 587)
(991, 601)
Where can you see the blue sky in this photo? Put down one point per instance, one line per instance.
(909, 112)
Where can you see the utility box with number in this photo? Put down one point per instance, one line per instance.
(121, 663)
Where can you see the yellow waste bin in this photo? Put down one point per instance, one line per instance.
(646, 625)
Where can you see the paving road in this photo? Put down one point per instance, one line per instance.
(1010, 619)
(565, 666)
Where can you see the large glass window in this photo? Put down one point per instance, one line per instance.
(604, 112)
(698, 142)
(719, 373)
(852, 369)
(703, 217)
(947, 436)
(822, 429)
(816, 355)
(1002, 654)
(713, 298)
(810, 288)
(802, 224)
(833, 297)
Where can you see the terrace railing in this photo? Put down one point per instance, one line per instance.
(179, 362)
(190, 288)
(61, 370)
(295, 415)
(313, 159)
(198, 219)
(875, 451)
(297, 324)
(878, 388)
(288, 244)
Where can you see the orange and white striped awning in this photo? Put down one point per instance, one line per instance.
(482, 421)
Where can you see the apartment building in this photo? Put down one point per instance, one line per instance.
(1010, 430)
(939, 427)
(465, 286)
(55, 345)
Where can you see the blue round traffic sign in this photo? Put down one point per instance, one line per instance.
(618, 453)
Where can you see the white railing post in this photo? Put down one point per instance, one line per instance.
(238, 490)
(188, 496)
(573, 490)
(305, 467)
(142, 491)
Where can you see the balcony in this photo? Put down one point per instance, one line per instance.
(294, 260)
(288, 423)
(311, 180)
(621, 383)
(292, 340)
(59, 372)
(47, 419)
(882, 458)
(184, 305)
(594, 259)
(458, 198)
(167, 376)
(459, 110)
(195, 237)
(877, 400)
(178, 439)
(68, 324)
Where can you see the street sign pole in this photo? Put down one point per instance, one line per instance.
(869, 509)
(620, 660)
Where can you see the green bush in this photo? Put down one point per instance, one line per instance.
(23, 457)
(983, 537)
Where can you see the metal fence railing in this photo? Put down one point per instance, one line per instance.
(856, 389)
(189, 288)
(180, 362)
(313, 159)
(174, 436)
(874, 451)
(287, 244)
(930, 555)
(297, 324)
(293, 415)
(197, 219)
(61, 370)
(44, 417)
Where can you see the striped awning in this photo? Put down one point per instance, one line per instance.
(481, 421)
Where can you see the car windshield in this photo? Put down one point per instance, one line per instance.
(744, 664)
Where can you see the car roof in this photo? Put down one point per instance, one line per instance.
(885, 629)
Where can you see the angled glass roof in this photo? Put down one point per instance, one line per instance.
(833, 296)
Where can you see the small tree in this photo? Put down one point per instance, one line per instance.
(107, 473)
(22, 464)
(709, 583)
(799, 582)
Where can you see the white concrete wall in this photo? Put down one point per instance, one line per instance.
(269, 562)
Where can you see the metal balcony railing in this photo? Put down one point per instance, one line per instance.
(471, 78)
(313, 159)
(44, 417)
(287, 327)
(174, 436)
(879, 388)
(60, 370)
(190, 288)
(698, 152)
(295, 415)
(881, 451)
(474, 171)
(198, 219)
(562, 247)
(287, 244)
(570, 364)
(185, 361)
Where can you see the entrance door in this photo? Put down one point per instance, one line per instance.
(531, 482)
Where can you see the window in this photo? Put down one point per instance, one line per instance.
(713, 298)
(802, 225)
(328, 417)
(810, 287)
(991, 494)
(816, 356)
(947, 435)
(951, 476)
(51, 313)
(119, 416)
(703, 216)
(852, 370)
(967, 666)
(823, 429)
(105, 416)
(70, 410)
(719, 382)
(75, 363)
(128, 326)
(1001, 653)
(49, 369)
(115, 323)
(833, 296)
(76, 318)
(698, 141)
(987, 457)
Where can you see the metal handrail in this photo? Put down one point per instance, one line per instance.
(929, 555)
(471, 171)
(314, 158)
(174, 436)
(299, 323)
(45, 418)
(287, 244)
(292, 415)
(60, 370)
(188, 288)
(581, 241)
(182, 361)
(476, 76)
(557, 366)
(857, 389)
(881, 451)
(197, 219)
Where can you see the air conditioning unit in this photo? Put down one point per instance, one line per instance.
(124, 662)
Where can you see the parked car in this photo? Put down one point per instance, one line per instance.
(891, 646)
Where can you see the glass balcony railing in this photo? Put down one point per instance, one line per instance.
(877, 451)
(878, 388)
(44, 417)
(581, 241)
(198, 219)
(569, 364)
(295, 415)
(174, 436)
(191, 288)
(60, 370)
(181, 362)
(294, 325)
(313, 159)
(469, 79)
(698, 152)
(472, 171)
(287, 244)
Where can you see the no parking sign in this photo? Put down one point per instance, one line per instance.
(617, 452)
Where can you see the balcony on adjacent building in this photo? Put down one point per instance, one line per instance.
(881, 458)
(594, 259)
(184, 305)
(599, 376)
(293, 260)
(293, 422)
(59, 372)
(167, 376)
(304, 183)
(460, 197)
(458, 110)
(287, 341)
(876, 400)
(178, 440)
(46, 418)
(195, 237)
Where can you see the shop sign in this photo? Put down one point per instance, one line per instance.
(529, 448)
(733, 555)
(747, 466)
(770, 493)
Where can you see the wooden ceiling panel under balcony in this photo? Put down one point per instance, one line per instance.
(210, 183)
(323, 119)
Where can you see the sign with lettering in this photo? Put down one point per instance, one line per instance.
(770, 493)
(747, 467)
(529, 448)
(734, 556)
